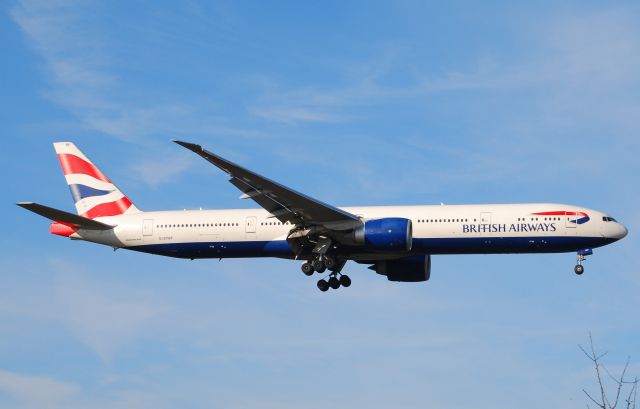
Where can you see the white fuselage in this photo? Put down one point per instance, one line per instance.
(443, 229)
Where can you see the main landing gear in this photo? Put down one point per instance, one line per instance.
(322, 263)
(334, 282)
(581, 256)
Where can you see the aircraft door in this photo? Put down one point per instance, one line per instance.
(147, 227)
(250, 224)
(569, 223)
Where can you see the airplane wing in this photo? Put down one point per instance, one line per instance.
(282, 202)
(64, 217)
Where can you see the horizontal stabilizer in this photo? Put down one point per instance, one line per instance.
(64, 217)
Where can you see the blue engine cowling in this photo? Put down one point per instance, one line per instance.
(406, 269)
(389, 234)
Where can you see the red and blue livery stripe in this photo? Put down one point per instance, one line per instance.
(79, 191)
(73, 165)
(579, 217)
(94, 194)
(108, 209)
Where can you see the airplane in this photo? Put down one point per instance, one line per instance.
(395, 241)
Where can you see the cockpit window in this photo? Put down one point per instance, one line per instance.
(608, 219)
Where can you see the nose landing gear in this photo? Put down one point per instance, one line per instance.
(581, 256)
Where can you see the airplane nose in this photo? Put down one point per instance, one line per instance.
(621, 232)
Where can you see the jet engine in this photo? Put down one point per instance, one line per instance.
(388, 234)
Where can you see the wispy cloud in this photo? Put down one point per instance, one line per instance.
(84, 69)
(568, 61)
(104, 320)
(292, 115)
(102, 314)
(26, 391)
(155, 171)
(36, 391)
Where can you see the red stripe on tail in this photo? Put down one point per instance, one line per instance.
(108, 209)
(71, 164)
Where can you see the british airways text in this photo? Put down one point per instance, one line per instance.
(503, 228)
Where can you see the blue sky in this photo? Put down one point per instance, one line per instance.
(352, 103)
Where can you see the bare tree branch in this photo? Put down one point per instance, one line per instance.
(633, 393)
(593, 400)
(621, 383)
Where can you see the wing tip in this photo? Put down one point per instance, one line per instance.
(188, 145)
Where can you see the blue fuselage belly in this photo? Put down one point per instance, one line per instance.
(504, 245)
(469, 245)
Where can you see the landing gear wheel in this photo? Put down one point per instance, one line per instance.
(318, 265)
(330, 262)
(345, 281)
(334, 282)
(307, 269)
(578, 269)
(323, 285)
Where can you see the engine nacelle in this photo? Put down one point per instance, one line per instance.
(389, 234)
(406, 269)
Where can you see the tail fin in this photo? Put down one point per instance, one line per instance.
(93, 192)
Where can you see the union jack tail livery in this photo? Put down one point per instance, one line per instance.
(93, 193)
